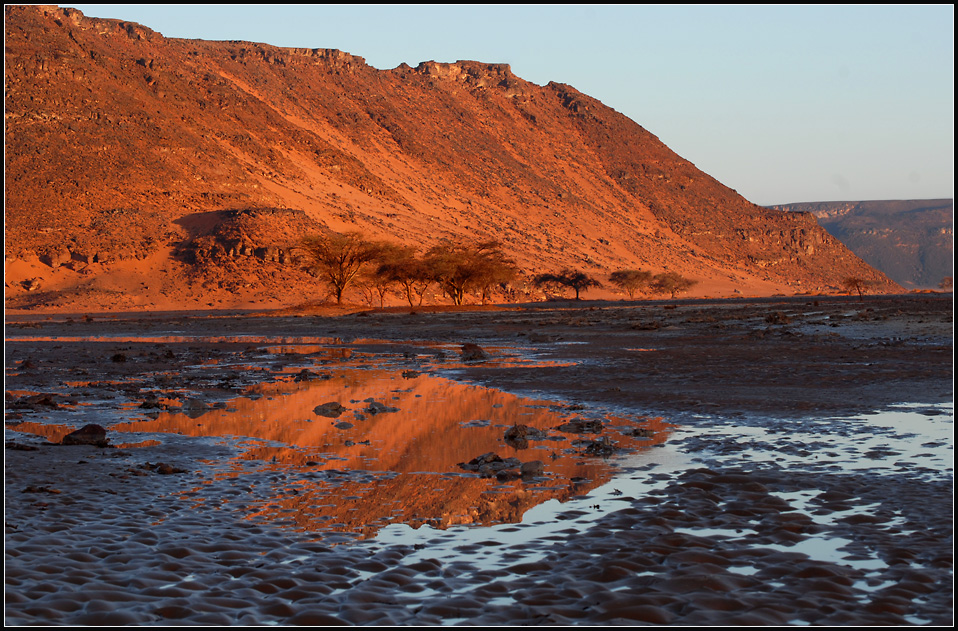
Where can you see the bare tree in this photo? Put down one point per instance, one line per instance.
(631, 280)
(338, 258)
(572, 278)
(672, 283)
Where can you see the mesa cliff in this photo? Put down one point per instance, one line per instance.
(145, 172)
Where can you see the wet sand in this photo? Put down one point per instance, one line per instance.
(799, 469)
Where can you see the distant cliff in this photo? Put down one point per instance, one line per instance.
(911, 241)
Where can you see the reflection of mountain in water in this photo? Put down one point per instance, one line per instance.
(401, 464)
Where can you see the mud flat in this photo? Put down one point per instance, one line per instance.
(785, 461)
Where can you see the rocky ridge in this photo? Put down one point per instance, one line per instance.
(149, 172)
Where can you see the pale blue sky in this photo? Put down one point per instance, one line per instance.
(782, 103)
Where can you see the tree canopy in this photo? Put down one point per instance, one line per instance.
(572, 278)
(631, 280)
(463, 267)
(672, 283)
(338, 258)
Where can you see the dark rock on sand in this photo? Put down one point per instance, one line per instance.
(532, 469)
(34, 402)
(329, 410)
(375, 407)
(91, 434)
(20, 446)
(580, 426)
(602, 447)
(518, 436)
(473, 353)
(490, 464)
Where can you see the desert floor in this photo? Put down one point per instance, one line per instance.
(776, 461)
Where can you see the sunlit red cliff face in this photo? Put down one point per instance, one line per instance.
(146, 172)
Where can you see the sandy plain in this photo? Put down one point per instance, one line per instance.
(776, 461)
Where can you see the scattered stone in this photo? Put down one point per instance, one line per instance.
(41, 489)
(410, 374)
(539, 338)
(329, 410)
(195, 408)
(473, 353)
(151, 402)
(581, 426)
(344, 425)
(118, 358)
(91, 434)
(375, 407)
(20, 446)
(31, 284)
(602, 447)
(532, 469)
(778, 318)
(163, 468)
(519, 435)
(491, 464)
(35, 401)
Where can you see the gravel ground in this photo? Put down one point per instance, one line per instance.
(784, 461)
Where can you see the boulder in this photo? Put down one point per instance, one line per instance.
(532, 469)
(329, 410)
(91, 434)
(473, 353)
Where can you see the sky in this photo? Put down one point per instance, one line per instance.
(781, 103)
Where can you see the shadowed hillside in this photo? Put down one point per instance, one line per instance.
(146, 172)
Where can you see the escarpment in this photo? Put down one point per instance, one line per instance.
(129, 152)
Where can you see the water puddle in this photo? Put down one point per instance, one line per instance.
(917, 438)
(355, 449)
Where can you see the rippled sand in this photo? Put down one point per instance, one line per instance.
(739, 517)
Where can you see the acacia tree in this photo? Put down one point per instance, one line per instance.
(856, 284)
(409, 271)
(573, 278)
(338, 258)
(373, 278)
(631, 280)
(461, 267)
(492, 269)
(672, 283)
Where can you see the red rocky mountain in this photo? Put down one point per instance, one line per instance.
(149, 172)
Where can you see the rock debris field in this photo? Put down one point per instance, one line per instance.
(766, 462)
